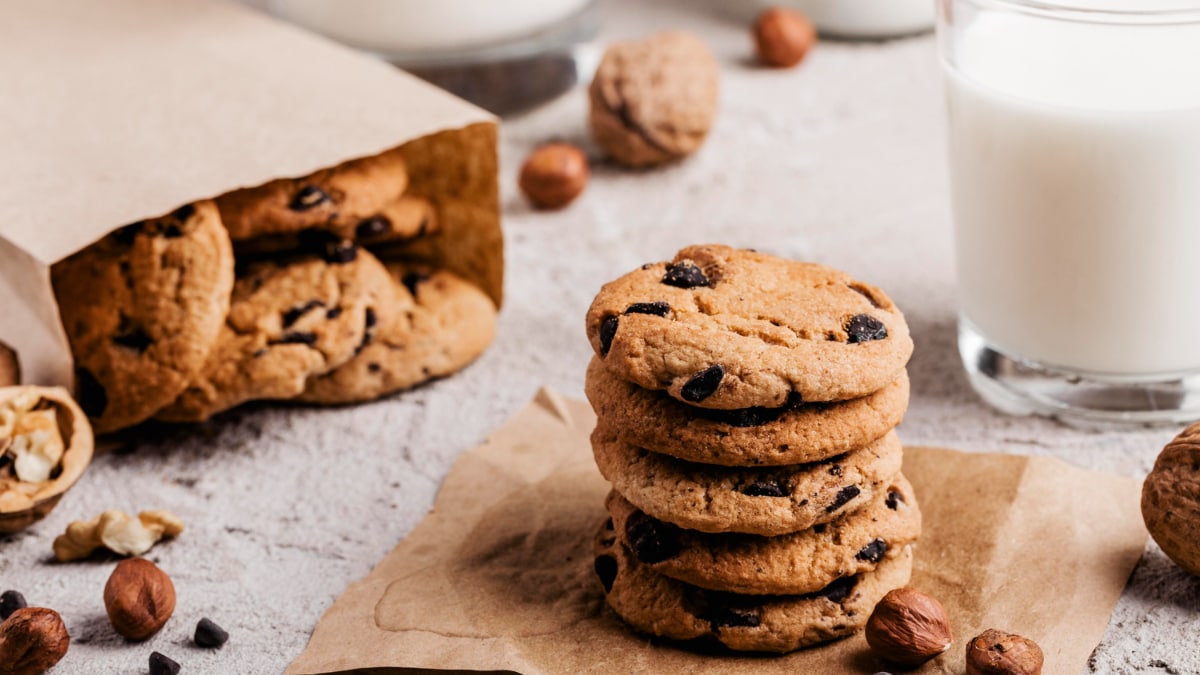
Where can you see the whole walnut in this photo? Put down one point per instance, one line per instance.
(653, 101)
(1171, 500)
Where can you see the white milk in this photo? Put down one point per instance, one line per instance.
(425, 25)
(1075, 162)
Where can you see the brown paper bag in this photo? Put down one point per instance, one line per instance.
(498, 577)
(126, 109)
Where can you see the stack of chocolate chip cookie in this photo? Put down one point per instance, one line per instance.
(270, 292)
(746, 407)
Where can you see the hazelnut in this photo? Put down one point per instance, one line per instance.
(139, 598)
(554, 175)
(32, 640)
(908, 627)
(995, 652)
(782, 37)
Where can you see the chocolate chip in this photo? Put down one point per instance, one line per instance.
(127, 234)
(370, 318)
(173, 231)
(606, 569)
(655, 308)
(837, 591)
(873, 552)
(843, 496)
(209, 634)
(894, 500)
(340, 252)
(864, 328)
(835, 470)
(374, 367)
(762, 488)
(92, 397)
(373, 227)
(293, 315)
(412, 280)
(703, 384)
(819, 528)
(137, 340)
(652, 540)
(11, 601)
(308, 197)
(684, 275)
(184, 212)
(608, 331)
(162, 665)
(333, 313)
(731, 617)
(297, 338)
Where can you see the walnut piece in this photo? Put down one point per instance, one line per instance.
(118, 532)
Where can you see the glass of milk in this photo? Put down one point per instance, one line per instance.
(1075, 170)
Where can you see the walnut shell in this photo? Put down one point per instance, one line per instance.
(654, 101)
(76, 434)
(1171, 500)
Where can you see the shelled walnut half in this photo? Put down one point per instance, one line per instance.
(45, 446)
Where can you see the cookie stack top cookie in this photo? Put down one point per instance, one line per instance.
(745, 413)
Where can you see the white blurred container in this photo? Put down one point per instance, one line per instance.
(867, 18)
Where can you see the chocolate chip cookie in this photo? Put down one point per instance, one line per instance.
(801, 562)
(404, 220)
(142, 309)
(760, 500)
(662, 606)
(338, 200)
(289, 321)
(724, 328)
(792, 434)
(441, 324)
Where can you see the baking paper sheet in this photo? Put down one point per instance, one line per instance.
(498, 577)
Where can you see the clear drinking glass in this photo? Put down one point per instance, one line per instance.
(1075, 171)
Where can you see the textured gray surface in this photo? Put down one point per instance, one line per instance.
(840, 161)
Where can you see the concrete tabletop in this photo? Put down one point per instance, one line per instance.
(840, 161)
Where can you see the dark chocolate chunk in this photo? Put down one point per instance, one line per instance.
(308, 197)
(684, 275)
(11, 601)
(209, 634)
(297, 338)
(373, 227)
(413, 280)
(163, 665)
(90, 393)
(732, 617)
(184, 212)
(333, 313)
(127, 234)
(819, 528)
(608, 331)
(652, 540)
(703, 384)
(864, 328)
(873, 552)
(374, 368)
(843, 497)
(835, 470)
(371, 319)
(837, 591)
(894, 500)
(293, 315)
(341, 252)
(655, 308)
(172, 231)
(762, 488)
(136, 339)
(606, 569)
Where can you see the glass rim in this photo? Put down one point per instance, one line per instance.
(1042, 8)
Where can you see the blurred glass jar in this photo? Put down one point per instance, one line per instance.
(504, 56)
(867, 18)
